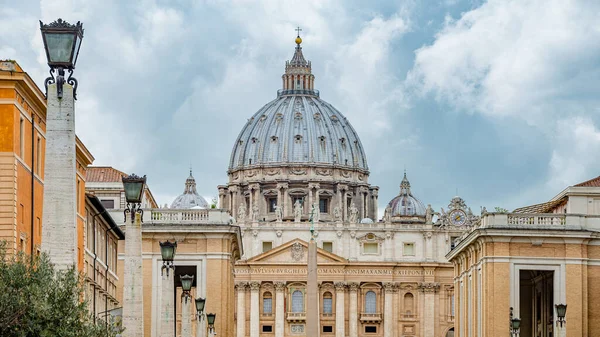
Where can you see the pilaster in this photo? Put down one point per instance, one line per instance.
(429, 289)
(279, 309)
(133, 297)
(353, 309)
(340, 319)
(254, 309)
(241, 309)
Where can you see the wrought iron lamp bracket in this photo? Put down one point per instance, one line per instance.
(132, 209)
(59, 79)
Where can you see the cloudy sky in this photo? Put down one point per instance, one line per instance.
(495, 100)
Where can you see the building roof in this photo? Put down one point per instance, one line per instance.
(104, 174)
(106, 215)
(594, 182)
(545, 207)
(406, 204)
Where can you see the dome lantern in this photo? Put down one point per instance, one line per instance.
(190, 197)
(405, 204)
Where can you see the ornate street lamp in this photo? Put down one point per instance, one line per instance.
(167, 250)
(61, 42)
(186, 285)
(210, 319)
(561, 311)
(515, 324)
(134, 187)
(200, 303)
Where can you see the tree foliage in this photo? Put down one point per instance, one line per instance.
(38, 300)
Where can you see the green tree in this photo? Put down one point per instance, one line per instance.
(37, 300)
(500, 210)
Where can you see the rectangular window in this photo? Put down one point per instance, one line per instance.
(38, 155)
(452, 244)
(108, 203)
(370, 329)
(328, 246)
(22, 215)
(22, 244)
(21, 138)
(267, 245)
(267, 305)
(77, 195)
(370, 248)
(324, 205)
(267, 328)
(327, 328)
(272, 202)
(408, 249)
(327, 305)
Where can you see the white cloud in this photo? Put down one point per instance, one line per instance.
(529, 61)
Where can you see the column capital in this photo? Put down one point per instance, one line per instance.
(254, 186)
(390, 287)
(279, 285)
(241, 286)
(429, 287)
(282, 185)
(254, 286)
(314, 185)
(353, 286)
(340, 286)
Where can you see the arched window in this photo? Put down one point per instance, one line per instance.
(297, 301)
(409, 300)
(370, 302)
(327, 303)
(267, 303)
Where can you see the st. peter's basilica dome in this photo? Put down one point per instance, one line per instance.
(190, 197)
(298, 128)
(405, 204)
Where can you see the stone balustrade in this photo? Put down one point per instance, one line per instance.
(166, 216)
(370, 317)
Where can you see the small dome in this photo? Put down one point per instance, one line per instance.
(405, 204)
(190, 199)
(366, 220)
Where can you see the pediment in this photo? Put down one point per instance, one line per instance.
(294, 252)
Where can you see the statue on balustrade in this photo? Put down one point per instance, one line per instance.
(353, 211)
(317, 214)
(387, 216)
(241, 213)
(279, 213)
(337, 215)
(429, 215)
(297, 211)
(255, 212)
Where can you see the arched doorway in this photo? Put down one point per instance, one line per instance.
(450, 332)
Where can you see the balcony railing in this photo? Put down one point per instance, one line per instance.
(166, 216)
(327, 315)
(195, 215)
(369, 317)
(409, 316)
(296, 316)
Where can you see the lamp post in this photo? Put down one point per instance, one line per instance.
(59, 231)
(515, 324)
(61, 42)
(186, 319)
(210, 319)
(133, 296)
(167, 251)
(200, 304)
(561, 311)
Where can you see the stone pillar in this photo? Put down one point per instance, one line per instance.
(353, 247)
(133, 292)
(340, 319)
(388, 310)
(353, 310)
(254, 309)
(312, 292)
(429, 290)
(362, 205)
(428, 245)
(200, 327)
(167, 306)
(186, 316)
(279, 309)
(59, 228)
(389, 245)
(286, 197)
(241, 308)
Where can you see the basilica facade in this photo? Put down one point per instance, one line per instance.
(297, 163)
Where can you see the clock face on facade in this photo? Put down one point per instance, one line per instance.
(458, 217)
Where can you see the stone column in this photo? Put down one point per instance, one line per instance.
(286, 198)
(429, 290)
(340, 319)
(241, 308)
(362, 204)
(254, 309)
(186, 316)
(312, 296)
(388, 310)
(167, 306)
(353, 309)
(375, 204)
(133, 292)
(279, 309)
(200, 327)
(59, 228)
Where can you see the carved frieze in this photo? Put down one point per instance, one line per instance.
(370, 237)
(279, 286)
(353, 286)
(241, 286)
(272, 172)
(429, 287)
(340, 286)
(323, 172)
(298, 171)
(254, 286)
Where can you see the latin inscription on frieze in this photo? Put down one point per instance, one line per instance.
(334, 271)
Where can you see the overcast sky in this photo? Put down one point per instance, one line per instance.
(495, 100)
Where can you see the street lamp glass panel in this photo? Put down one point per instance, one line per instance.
(516, 323)
(60, 47)
(561, 310)
(134, 186)
(186, 282)
(76, 50)
(167, 250)
(210, 318)
(200, 302)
